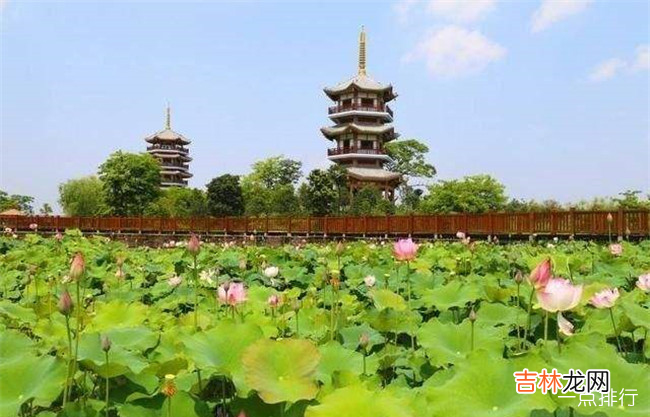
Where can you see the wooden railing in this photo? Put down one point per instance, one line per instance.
(355, 149)
(634, 223)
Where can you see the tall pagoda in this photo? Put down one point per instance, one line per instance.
(362, 125)
(170, 149)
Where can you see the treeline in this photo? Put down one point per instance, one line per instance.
(128, 184)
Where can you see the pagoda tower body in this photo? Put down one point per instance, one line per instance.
(362, 125)
(170, 149)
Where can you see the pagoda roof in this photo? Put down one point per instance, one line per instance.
(334, 131)
(373, 174)
(167, 135)
(361, 82)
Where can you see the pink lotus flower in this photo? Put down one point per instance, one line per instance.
(194, 245)
(460, 235)
(58, 236)
(540, 276)
(33, 226)
(405, 250)
(77, 266)
(232, 293)
(559, 295)
(273, 301)
(616, 249)
(174, 281)
(565, 326)
(271, 272)
(644, 282)
(605, 298)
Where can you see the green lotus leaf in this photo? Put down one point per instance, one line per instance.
(121, 361)
(13, 344)
(447, 343)
(589, 351)
(282, 370)
(494, 314)
(454, 294)
(357, 401)
(220, 348)
(483, 385)
(116, 314)
(17, 312)
(639, 316)
(351, 336)
(336, 358)
(29, 377)
(387, 299)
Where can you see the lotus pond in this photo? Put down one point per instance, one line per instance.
(316, 330)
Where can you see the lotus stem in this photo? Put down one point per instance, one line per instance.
(530, 307)
(107, 384)
(558, 337)
(77, 334)
(198, 375)
(297, 324)
(618, 340)
(69, 364)
(545, 326)
(364, 362)
(472, 336)
(196, 296)
(517, 318)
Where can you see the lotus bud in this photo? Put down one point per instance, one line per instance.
(610, 218)
(242, 263)
(77, 267)
(119, 261)
(273, 301)
(194, 245)
(58, 236)
(33, 226)
(472, 316)
(106, 343)
(65, 303)
(296, 304)
(364, 340)
(519, 277)
(339, 248)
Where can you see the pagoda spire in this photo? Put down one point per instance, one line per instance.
(362, 52)
(168, 121)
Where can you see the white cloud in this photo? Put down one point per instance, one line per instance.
(642, 59)
(403, 9)
(461, 11)
(454, 51)
(552, 11)
(614, 66)
(607, 69)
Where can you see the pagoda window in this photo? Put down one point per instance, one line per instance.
(346, 103)
(367, 144)
(367, 102)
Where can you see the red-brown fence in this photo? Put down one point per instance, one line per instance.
(634, 223)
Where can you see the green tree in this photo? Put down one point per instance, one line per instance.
(83, 197)
(275, 171)
(318, 195)
(179, 202)
(225, 197)
(472, 194)
(368, 201)
(631, 200)
(409, 158)
(17, 202)
(46, 210)
(339, 176)
(131, 182)
(269, 188)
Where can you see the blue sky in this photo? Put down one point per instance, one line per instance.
(549, 97)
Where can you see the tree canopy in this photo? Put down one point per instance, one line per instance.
(179, 202)
(225, 197)
(16, 201)
(318, 194)
(131, 182)
(472, 194)
(83, 197)
(409, 158)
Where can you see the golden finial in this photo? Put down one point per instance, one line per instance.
(168, 123)
(362, 52)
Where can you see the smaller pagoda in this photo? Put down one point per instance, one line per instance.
(170, 149)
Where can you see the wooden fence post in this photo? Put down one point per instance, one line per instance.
(572, 219)
(620, 222)
(325, 226)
